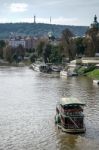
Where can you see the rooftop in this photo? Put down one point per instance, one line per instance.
(71, 101)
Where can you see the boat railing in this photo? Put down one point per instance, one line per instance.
(72, 123)
(72, 112)
(68, 126)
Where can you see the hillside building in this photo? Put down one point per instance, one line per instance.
(16, 41)
(25, 42)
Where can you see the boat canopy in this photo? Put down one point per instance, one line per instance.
(70, 101)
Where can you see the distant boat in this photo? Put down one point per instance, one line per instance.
(64, 73)
(69, 115)
(45, 68)
(71, 73)
(35, 67)
(55, 68)
(96, 81)
(41, 67)
(68, 73)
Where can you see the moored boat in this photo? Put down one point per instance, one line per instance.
(45, 68)
(96, 81)
(69, 115)
(35, 67)
(41, 67)
(56, 68)
(63, 73)
(67, 73)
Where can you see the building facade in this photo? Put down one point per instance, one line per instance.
(16, 41)
(25, 42)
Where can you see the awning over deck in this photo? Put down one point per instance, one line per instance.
(70, 101)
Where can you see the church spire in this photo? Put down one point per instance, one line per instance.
(95, 18)
(95, 23)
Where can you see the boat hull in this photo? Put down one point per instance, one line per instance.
(96, 81)
(81, 130)
(67, 74)
(68, 130)
(64, 73)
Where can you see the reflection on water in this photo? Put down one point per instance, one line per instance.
(27, 108)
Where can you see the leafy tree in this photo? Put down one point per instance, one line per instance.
(46, 53)
(2, 45)
(18, 53)
(79, 46)
(33, 57)
(40, 48)
(8, 53)
(31, 50)
(56, 56)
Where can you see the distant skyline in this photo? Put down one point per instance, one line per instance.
(64, 12)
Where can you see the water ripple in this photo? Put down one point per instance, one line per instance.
(27, 109)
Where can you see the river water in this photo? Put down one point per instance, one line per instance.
(27, 109)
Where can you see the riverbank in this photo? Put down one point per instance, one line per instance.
(20, 64)
(89, 71)
(94, 74)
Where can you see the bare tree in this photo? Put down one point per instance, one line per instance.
(67, 43)
(92, 41)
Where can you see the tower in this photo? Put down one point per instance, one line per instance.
(34, 19)
(95, 23)
(50, 20)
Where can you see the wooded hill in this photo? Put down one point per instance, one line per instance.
(38, 29)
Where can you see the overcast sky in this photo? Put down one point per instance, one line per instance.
(67, 12)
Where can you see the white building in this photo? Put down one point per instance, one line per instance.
(16, 41)
(26, 42)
